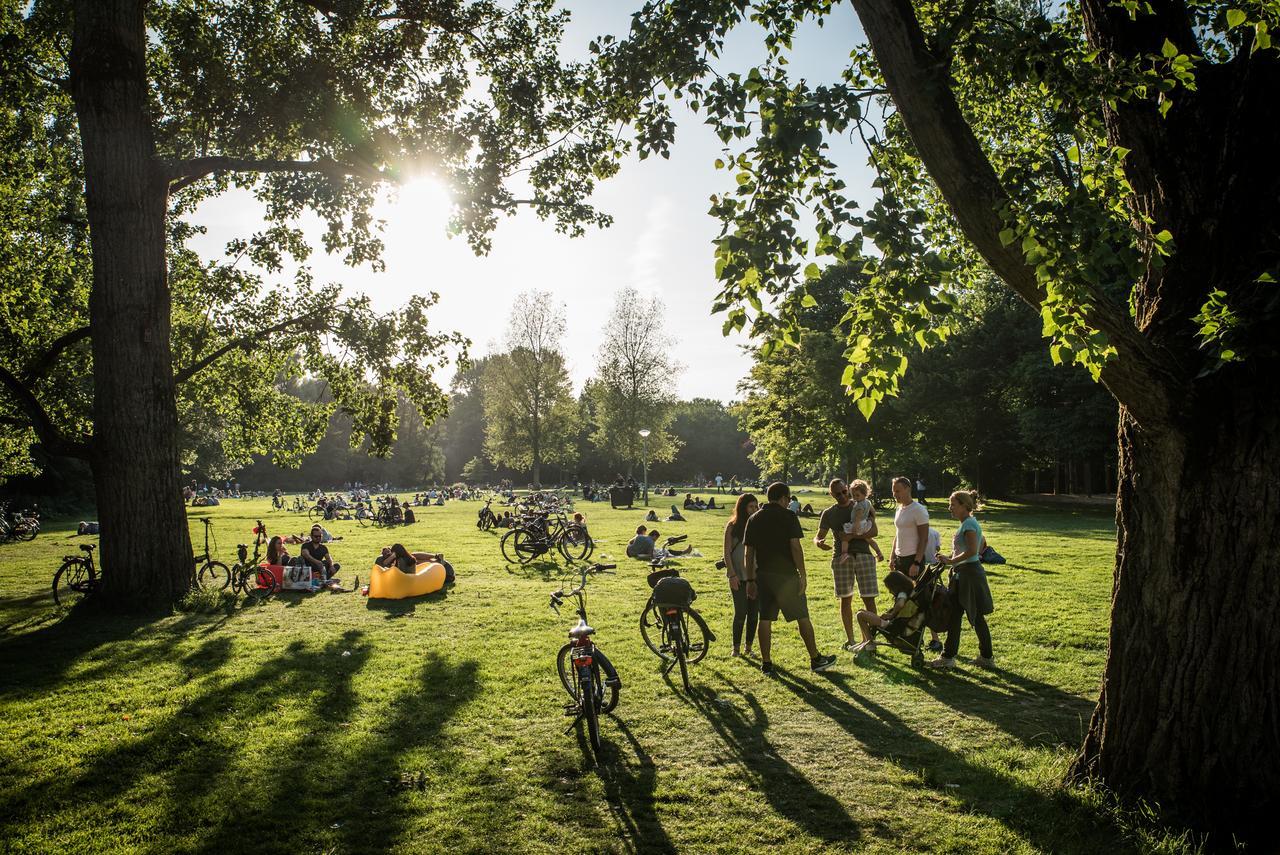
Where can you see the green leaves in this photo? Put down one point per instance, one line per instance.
(1235, 17)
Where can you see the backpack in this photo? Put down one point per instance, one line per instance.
(673, 592)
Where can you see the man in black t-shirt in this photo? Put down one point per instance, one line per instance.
(775, 574)
(315, 553)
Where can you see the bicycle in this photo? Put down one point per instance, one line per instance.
(580, 663)
(76, 578)
(487, 518)
(18, 525)
(211, 574)
(669, 624)
(250, 577)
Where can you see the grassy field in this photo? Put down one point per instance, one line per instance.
(333, 723)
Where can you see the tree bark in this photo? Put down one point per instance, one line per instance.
(146, 548)
(1189, 713)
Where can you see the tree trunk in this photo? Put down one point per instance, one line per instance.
(1189, 714)
(146, 548)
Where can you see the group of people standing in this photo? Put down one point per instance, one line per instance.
(765, 566)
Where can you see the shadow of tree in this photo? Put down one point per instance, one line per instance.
(1051, 823)
(231, 743)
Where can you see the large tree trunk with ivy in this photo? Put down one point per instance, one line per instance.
(146, 549)
(1189, 713)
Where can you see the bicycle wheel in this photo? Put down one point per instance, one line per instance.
(26, 529)
(608, 694)
(590, 701)
(697, 636)
(315, 514)
(574, 544)
(682, 656)
(508, 546)
(74, 579)
(257, 583)
(653, 631)
(214, 575)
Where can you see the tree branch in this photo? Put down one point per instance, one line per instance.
(246, 342)
(50, 437)
(45, 362)
(921, 89)
(184, 173)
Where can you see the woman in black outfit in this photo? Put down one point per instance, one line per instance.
(746, 611)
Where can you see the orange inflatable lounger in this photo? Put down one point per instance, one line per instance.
(389, 583)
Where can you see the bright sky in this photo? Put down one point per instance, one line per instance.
(660, 242)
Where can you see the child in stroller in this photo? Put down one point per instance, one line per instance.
(916, 607)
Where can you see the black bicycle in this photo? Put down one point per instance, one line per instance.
(18, 525)
(76, 578)
(585, 672)
(669, 624)
(487, 518)
(210, 574)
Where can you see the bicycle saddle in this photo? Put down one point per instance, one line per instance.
(87, 547)
(582, 630)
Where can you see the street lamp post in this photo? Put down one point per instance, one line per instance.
(644, 455)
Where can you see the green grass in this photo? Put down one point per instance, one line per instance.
(331, 723)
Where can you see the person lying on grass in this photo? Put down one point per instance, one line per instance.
(405, 561)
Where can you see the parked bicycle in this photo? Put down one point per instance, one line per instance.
(539, 532)
(210, 574)
(487, 518)
(249, 576)
(669, 624)
(585, 672)
(18, 525)
(76, 578)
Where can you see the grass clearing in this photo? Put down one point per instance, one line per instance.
(331, 723)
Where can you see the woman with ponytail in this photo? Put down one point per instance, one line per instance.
(970, 594)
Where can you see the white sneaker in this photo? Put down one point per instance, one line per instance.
(987, 662)
(942, 663)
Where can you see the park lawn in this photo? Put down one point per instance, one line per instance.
(332, 723)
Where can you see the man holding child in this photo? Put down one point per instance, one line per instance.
(852, 563)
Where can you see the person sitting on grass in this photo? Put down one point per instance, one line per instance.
(675, 516)
(409, 516)
(641, 546)
(689, 503)
(316, 554)
(405, 561)
(900, 586)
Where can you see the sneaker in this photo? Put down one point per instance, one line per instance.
(987, 662)
(822, 663)
(942, 663)
(865, 647)
(766, 667)
(935, 646)
(850, 646)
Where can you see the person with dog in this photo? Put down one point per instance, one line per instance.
(853, 563)
(970, 593)
(775, 574)
(746, 611)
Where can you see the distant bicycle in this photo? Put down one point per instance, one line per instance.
(18, 525)
(585, 672)
(487, 518)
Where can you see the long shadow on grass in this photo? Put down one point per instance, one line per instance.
(783, 786)
(1051, 824)
(34, 662)
(1032, 712)
(265, 759)
(630, 785)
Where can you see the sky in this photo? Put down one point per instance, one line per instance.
(660, 242)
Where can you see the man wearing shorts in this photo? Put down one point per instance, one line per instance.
(775, 575)
(858, 568)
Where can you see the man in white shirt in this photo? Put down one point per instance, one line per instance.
(911, 531)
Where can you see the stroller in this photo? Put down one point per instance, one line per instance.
(928, 606)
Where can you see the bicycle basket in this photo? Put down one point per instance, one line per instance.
(673, 592)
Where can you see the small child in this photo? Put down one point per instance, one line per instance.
(900, 586)
(860, 492)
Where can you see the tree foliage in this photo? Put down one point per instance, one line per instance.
(635, 382)
(528, 399)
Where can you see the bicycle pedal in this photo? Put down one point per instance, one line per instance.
(570, 709)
